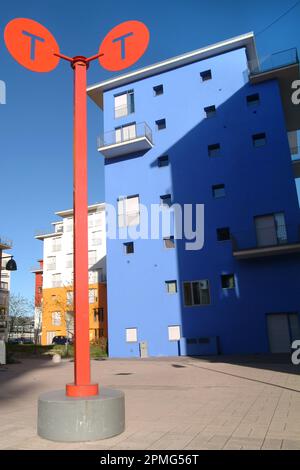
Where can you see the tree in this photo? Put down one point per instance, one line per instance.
(20, 312)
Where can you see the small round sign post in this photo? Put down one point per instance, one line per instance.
(81, 412)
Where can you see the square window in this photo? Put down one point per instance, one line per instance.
(128, 211)
(253, 100)
(223, 234)
(169, 242)
(228, 281)
(158, 90)
(56, 318)
(214, 150)
(98, 314)
(124, 104)
(210, 111)
(131, 335)
(205, 75)
(171, 287)
(166, 200)
(163, 161)
(160, 124)
(92, 296)
(218, 190)
(174, 332)
(196, 293)
(259, 140)
(128, 248)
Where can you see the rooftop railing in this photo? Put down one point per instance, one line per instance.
(277, 60)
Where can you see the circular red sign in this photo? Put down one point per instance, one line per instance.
(124, 45)
(31, 44)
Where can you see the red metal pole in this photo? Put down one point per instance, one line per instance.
(82, 377)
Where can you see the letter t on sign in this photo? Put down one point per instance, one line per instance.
(122, 39)
(32, 43)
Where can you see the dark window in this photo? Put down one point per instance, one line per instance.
(166, 200)
(163, 161)
(203, 340)
(223, 234)
(210, 111)
(129, 248)
(228, 281)
(206, 75)
(169, 242)
(160, 124)
(214, 150)
(191, 341)
(98, 314)
(253, 100)
(196, 293)
(218, 190)
(259, 140)
(158, 90)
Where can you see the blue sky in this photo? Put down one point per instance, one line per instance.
(36, 122)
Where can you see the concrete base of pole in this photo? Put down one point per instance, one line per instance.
(65, 419)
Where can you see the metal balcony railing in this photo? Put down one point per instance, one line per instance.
(125, 134)
(257, 238)
(277, 60)
(123, 110)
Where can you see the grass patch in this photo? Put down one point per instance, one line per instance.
(14, 351)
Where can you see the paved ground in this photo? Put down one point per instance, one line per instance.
(174, 403)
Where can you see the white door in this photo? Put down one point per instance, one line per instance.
(118, 135)
(279, 333)
(50, 336)
(266, 230)
(129, 132)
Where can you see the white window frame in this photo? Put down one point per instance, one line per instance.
(56, 318)
(168, 283)
(51, 263)
(56, 280)
(92, 296)
(126, 217)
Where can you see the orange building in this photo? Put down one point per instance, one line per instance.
(57, 315)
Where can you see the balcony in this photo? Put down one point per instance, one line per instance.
(36, 269)
(283, 66)
(125, 140)
(266, 242)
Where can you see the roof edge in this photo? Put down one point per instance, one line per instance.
(247, 40)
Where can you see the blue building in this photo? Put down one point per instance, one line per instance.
(209, 127)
